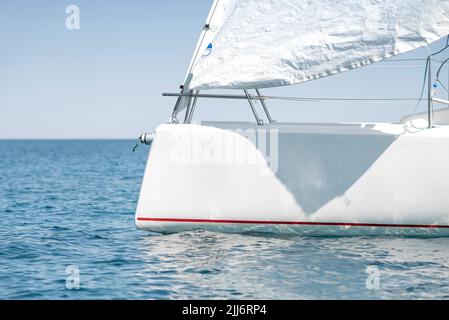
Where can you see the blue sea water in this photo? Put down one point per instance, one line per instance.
(70, 204)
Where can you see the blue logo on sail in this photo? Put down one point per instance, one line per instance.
(208, 50)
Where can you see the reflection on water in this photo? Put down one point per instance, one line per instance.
(208, 265)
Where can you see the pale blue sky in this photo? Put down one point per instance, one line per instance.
(106, 80)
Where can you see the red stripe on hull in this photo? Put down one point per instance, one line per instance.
(340, 224)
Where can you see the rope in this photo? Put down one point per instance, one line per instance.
(204, 36)
(427, 69)
(173, 118)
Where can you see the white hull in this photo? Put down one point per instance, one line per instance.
(310, 179)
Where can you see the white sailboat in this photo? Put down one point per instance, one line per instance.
(305, 178)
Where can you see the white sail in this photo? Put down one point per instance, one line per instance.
(218, 14)
(268, 43)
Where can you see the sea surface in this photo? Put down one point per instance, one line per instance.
(67, 232)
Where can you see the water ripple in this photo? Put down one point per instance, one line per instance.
(72, 203)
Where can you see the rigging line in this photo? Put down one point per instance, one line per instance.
(444, 61)
(441, 67)
(443, 86)
(419, 101)
(427, 69)
(437, 80)
(442, 64)
(395, 66)
(204, 36)
(411, 59)
(200, 45)
(436, 53)
(333, 99)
